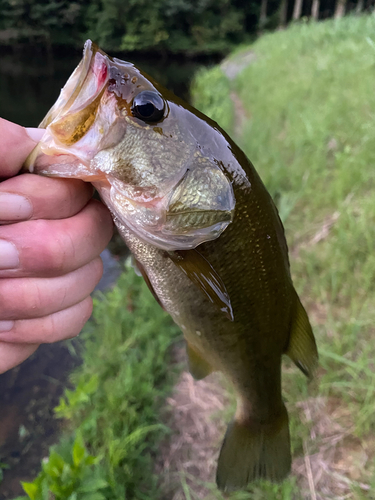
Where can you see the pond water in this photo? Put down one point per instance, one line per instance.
(29, 84)
(31, 81)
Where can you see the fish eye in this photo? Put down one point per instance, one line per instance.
(148, 106)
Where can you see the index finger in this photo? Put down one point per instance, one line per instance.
(15, 146)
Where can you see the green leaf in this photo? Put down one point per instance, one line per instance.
(79, 450)
(91, 460)
(55, 465)
(93, 496)
(92, 384)
(31, 489)
(92, 485)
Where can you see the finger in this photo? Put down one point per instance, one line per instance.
(26, 298)
(60, 325)
(15, 146)
(46, 248)
(31, 196)
(12, 355)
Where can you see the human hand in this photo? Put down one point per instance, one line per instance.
(51, 236)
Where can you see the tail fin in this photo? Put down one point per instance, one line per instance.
(250, 452)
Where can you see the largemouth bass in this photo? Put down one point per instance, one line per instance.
(205, 235)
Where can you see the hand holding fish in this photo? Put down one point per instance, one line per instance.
(51, 236)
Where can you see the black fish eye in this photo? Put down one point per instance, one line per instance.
(148, 106)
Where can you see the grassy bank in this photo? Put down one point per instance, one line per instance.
(112, 416)
(308, 111)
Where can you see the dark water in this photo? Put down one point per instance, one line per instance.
(31, 81)
(29, 85)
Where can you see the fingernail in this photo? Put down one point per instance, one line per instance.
(9, 258)
(14, 207)
(5, 326)
(35, 133)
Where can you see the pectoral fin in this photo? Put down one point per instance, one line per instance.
(204, 276)
(302, 347)
(198, 366)
(142, 270)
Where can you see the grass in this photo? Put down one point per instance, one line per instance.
(310, 106)
(112, 416)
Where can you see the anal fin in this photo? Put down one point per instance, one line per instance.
(302, 348)
(198, 366)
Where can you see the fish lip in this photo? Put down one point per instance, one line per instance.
(69, 93)
(81, 72)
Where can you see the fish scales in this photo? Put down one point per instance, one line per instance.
(205, 235)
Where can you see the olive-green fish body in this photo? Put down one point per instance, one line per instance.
(205, 235)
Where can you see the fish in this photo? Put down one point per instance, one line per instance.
(205, 235)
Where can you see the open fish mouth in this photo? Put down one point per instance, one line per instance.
(81, 83)
(71, 118)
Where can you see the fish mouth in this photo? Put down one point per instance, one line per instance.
(75, 110)
(77, 81)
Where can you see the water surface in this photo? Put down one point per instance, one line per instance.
(30, 81)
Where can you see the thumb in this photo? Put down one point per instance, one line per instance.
(16, 143)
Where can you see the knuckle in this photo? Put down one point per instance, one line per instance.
(20, 298)
(33, 297)
(57, 248)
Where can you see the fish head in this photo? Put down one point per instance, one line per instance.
(112, 125)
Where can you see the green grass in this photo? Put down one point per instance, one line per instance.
(112, 417)
(217, 105)
(311, 102)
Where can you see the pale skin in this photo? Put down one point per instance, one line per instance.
(51, 237)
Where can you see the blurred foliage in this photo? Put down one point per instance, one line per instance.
(43, 21)
(112, 416)
(217, 105)
(71, 474)
(188, 26)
